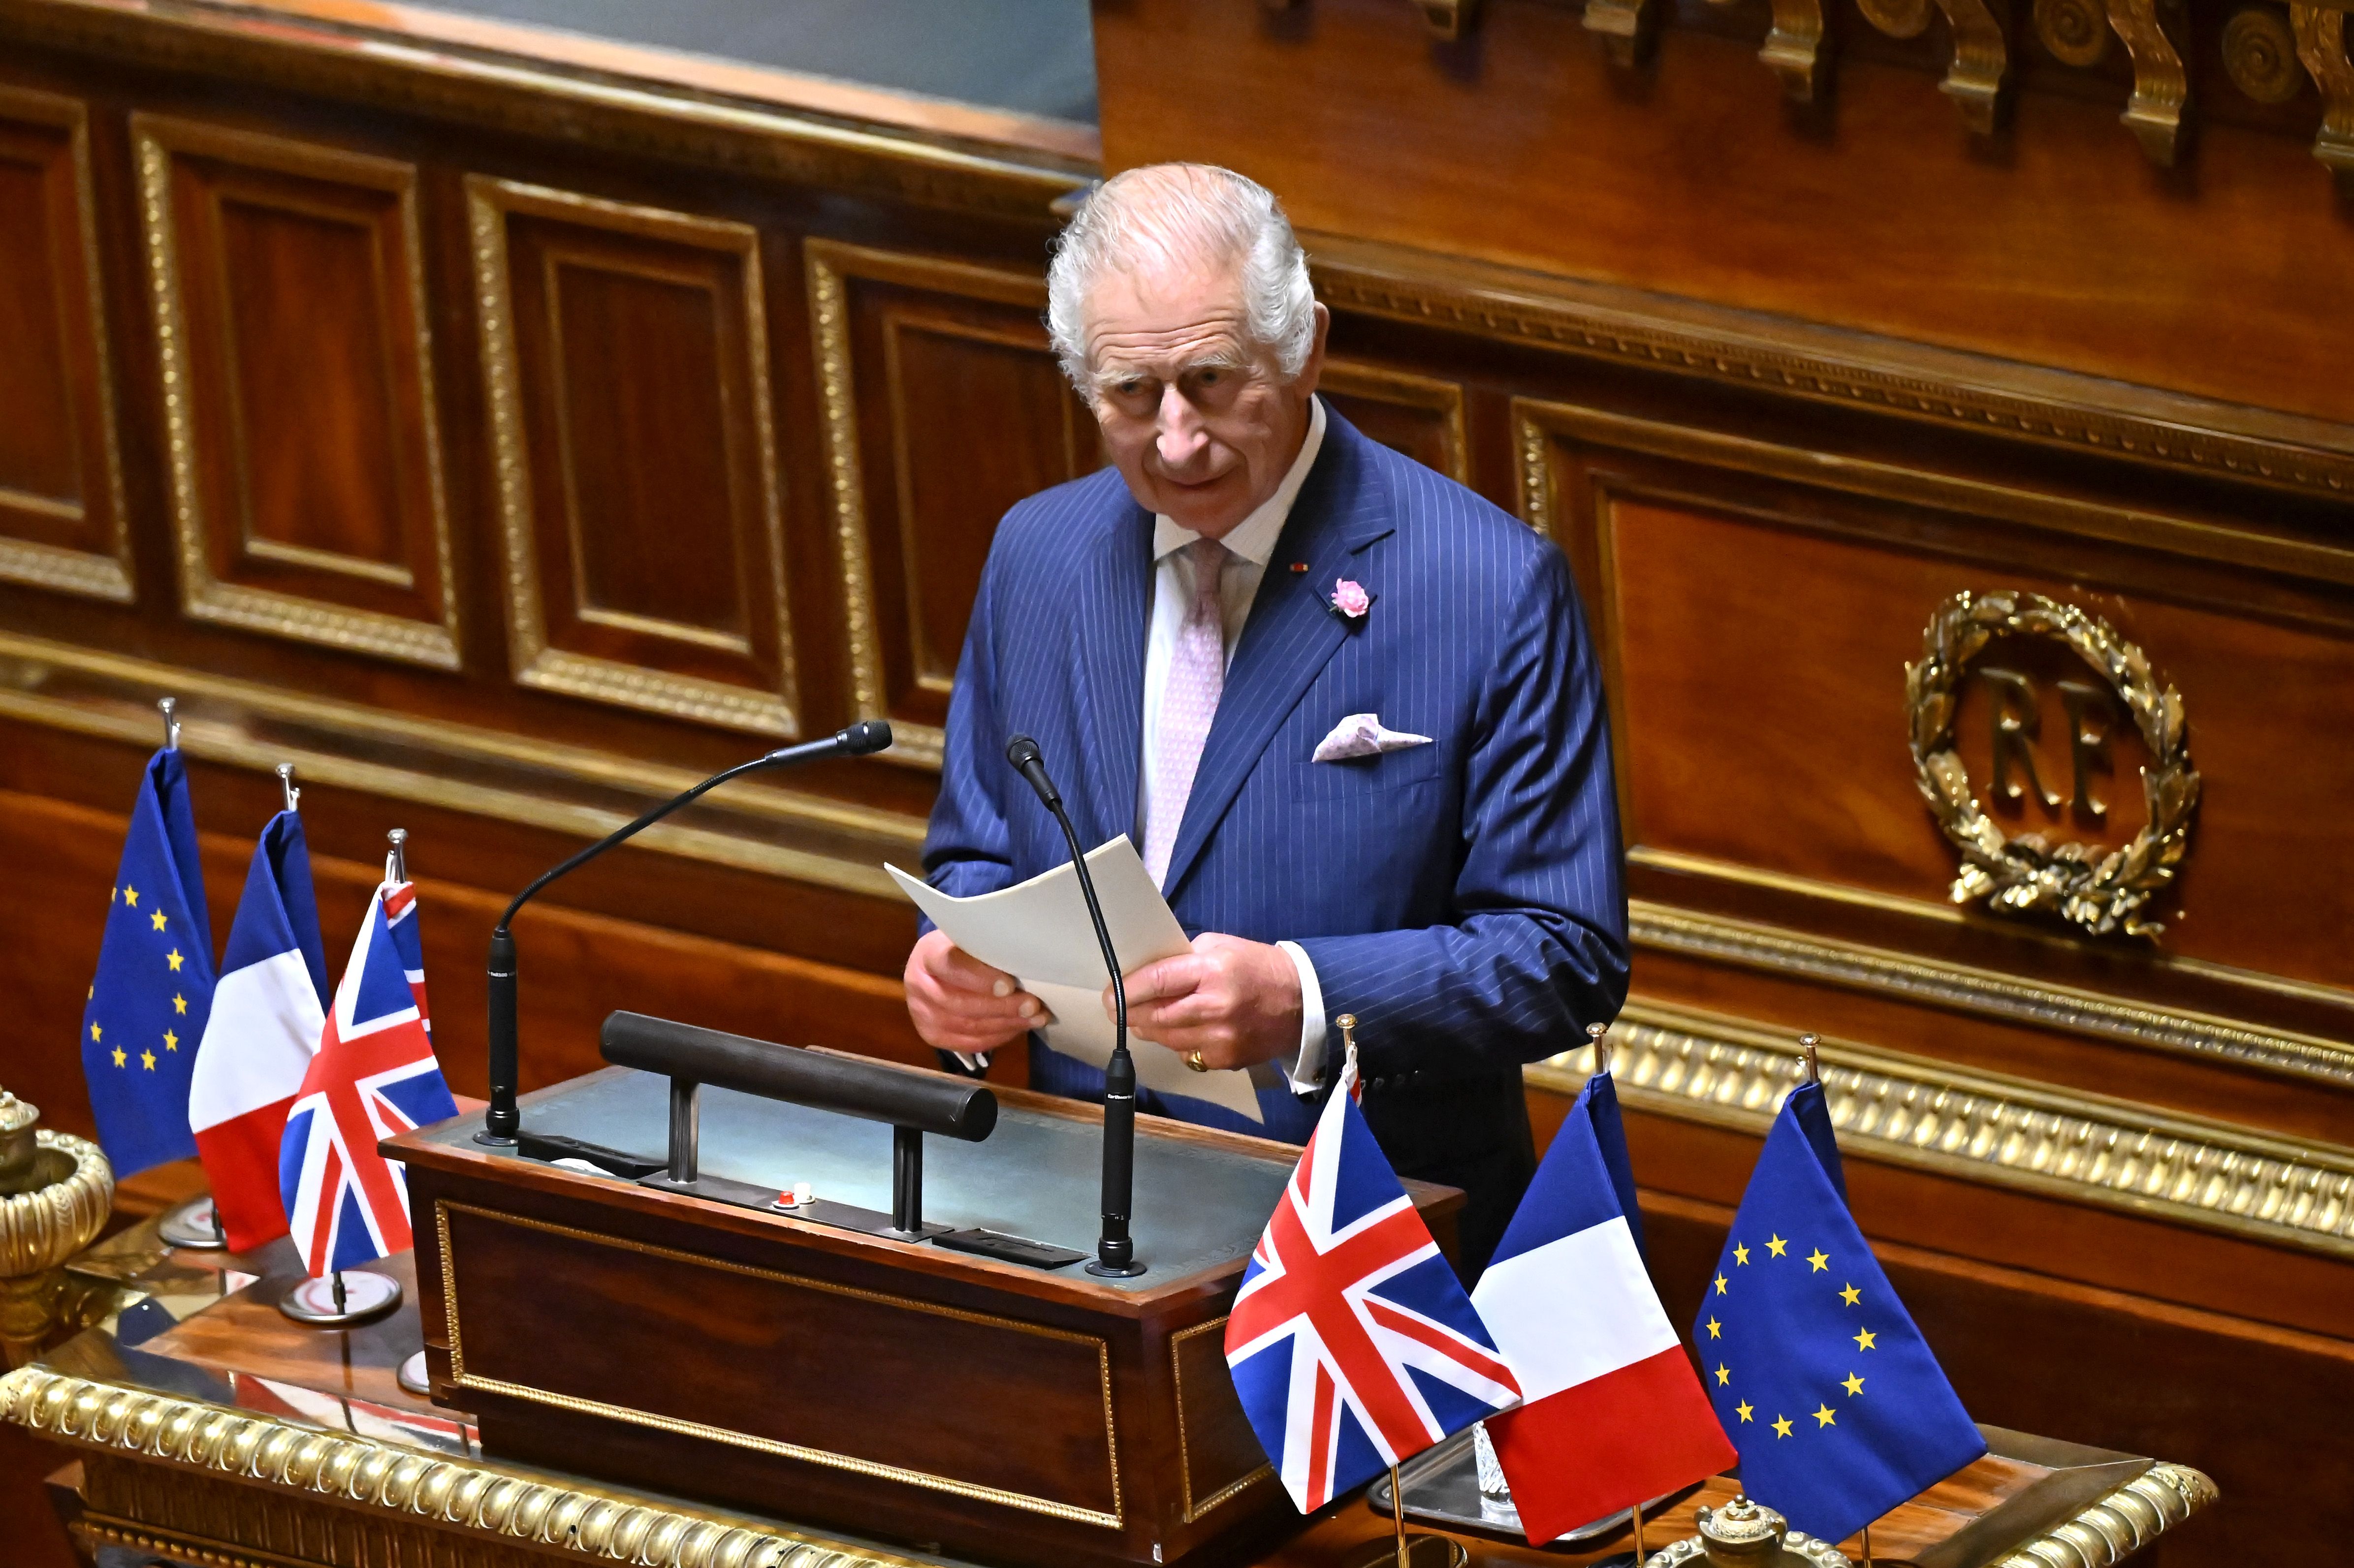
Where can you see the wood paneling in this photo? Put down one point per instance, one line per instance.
(628, 377)
(1525, 146)
(1807, 586)
(1420, 416)
(944, 406)
(288, 303)
(61, 473)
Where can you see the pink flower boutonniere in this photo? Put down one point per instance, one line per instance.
(1350, 601)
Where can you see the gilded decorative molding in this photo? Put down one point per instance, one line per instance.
(2075, 31)
(1911, 1111)
(1937, 386)
(1981, 61)
(56, 567)
(1539, 423)
(2120, 1524)
(42, 1228)
(1048, 1507)
(2260, 55)
(1795, 47)
(1449, 19)
(1988, 994)
(533, 660)
(2154, 113)
(494, 1504)
(1625, 27)
(204, 597)
(450, 766)
(1195, 1508)
(2321, 44)
(2100, 892)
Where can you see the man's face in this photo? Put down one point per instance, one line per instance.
(1198, 419)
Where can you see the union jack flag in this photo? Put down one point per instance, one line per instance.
(1351, 1342)
(374, 1075)
(400, 915)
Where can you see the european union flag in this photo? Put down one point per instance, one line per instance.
(1825, 1386)
(154, 989)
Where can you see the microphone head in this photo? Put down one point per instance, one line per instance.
(1021, 750)
(864, 739)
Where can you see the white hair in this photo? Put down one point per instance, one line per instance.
(1193, 210)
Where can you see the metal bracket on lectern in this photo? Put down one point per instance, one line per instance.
(912, 1103)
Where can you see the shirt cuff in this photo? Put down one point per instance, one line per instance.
(1307, 1068)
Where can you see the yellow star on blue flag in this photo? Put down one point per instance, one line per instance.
(1808, 1328)
(153, 987)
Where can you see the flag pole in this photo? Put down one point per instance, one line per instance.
(1806, 1045)
(396, 860)
(165, 706)
(1867, 1546)
(1638, 1536)
(1397, 1515)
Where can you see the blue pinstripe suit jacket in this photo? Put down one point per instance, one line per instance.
(1464, 899)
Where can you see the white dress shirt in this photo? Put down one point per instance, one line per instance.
(1252, 543)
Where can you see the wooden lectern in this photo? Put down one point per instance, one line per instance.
(595, 1325)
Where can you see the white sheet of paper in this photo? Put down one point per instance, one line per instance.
(1039, 932)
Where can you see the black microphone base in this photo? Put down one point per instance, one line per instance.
(1103, 1270)
(489, 1139)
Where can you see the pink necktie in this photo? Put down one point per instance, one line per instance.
(1197, 675)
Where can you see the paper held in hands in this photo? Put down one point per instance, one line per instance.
(1039, 933)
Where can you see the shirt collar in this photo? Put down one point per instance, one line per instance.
(1254, 539)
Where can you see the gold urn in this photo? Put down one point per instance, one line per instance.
(54, 1193)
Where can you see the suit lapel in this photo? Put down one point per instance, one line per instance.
(1291, 633)
(1109, 637)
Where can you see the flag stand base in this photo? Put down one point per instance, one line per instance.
(414, 1378)
(365, 1296)
(193, 1225)
(1421, 1552)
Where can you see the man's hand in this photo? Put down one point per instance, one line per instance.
(960, 1003)
(1236, 1002)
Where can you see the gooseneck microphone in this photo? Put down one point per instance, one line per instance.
(1115, 1249)
(503, 1123)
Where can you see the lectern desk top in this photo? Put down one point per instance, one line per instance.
(1200, 1198)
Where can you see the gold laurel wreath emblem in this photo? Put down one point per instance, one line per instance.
(2102, 891)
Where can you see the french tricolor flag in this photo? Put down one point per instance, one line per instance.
(1614, 1413)
(264, 1028)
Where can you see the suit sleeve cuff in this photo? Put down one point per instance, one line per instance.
(1307, 1067)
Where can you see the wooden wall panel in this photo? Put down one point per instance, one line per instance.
(1758, 610)
(1524, 144)
(944, 406)
(288, 301)
(61, 523)
(1421, 416)
(627, 360)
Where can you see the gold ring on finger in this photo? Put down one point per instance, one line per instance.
(1193, 1060)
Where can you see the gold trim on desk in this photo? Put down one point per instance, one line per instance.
(2120, 1524)
(395, 1485)
(204, 597)
(1901, 1109)
(532, 659)
(1988, 993)
(1184, 1457)
(1114, 1520)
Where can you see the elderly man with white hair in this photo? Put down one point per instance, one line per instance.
(1347, 709)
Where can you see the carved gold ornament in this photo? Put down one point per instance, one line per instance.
(2101, 890)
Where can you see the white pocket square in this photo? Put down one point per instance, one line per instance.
(1363, 735)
